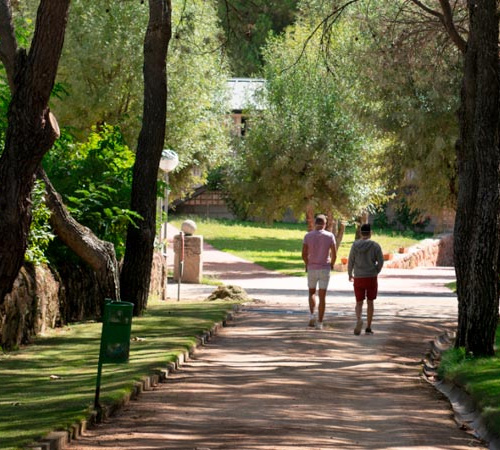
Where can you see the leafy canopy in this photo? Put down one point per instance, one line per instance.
(409, 75)
(305, 149)
(101, 72)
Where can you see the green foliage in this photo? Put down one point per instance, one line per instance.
(409, 218)
(101, 86)
(197, 105)
(305, 148)
(95, 182)
(40, 234)
(247, 26)
(409, 75)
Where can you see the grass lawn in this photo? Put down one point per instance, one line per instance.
(481, 379)
(279, 246)
(50, 385)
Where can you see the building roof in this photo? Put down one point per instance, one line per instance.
(246, 93)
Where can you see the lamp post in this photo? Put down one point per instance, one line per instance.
(168, 162)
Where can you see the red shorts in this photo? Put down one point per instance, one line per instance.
(365, 288)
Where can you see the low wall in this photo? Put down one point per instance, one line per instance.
(42, 299)
(428, 253)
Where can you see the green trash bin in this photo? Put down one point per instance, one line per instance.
(116, 327)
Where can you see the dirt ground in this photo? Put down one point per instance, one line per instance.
(267, 381)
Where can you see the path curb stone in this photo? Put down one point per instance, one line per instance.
(466, 413)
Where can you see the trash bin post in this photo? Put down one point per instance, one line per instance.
(115, 338)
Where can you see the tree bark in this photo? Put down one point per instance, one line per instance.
(136, 272)
(31, 128)
(477, 224)
(310, 218)
(99, 255)
(331, 223)
(337, 227)
(362, 219)
(339, 236)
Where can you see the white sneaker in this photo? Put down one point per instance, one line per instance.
(319, 325)
(312, 320)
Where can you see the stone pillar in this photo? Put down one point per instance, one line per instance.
(193, 261)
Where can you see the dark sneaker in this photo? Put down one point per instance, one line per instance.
(368, 331)
(312, 322)
(357, 329)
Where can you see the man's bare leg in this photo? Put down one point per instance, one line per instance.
(312, 300)
(322, 304)
(312, 306)
(359, 320)
(369, 313)
(359, 310)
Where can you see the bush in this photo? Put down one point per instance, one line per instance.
(95, 181)
(40, 231)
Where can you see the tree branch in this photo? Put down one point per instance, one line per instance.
(47, 43)
(326, 24)
(98, 254)
(8, 43)
(450, 26)
(446, 18)
(428, 10)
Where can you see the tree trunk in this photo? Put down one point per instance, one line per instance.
(331, 223)
(477, 224)
(362, 219)
(136, 271)
(310, 218)
(337, 227)
(98, 254)
(31, 128)
(339, 236)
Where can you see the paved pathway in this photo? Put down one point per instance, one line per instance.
(270, 382)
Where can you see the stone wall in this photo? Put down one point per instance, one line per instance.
(430, 252)
(31, 308)
(427, 253)
(42, 299)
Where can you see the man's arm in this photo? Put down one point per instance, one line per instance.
(305, 253)
(350, 264)
(380, 259)
(333, 254)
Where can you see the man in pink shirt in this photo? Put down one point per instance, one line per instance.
(319, 252)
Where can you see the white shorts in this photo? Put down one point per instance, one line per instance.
(318, 277)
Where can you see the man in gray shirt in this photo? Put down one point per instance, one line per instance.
(365, 263)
